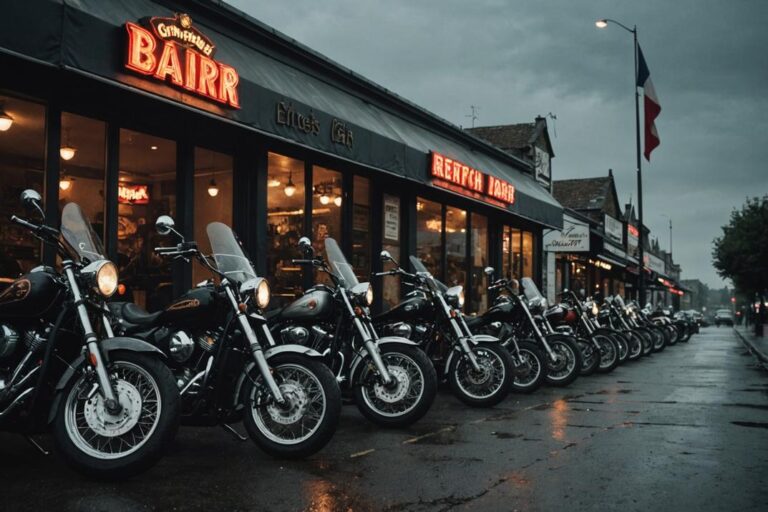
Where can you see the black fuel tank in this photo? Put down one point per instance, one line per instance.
(34, 295)
(503, 312)
(414, 307)
(315, 305)
(194, 308)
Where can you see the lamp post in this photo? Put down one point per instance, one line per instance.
(670, 231)
(602, 23)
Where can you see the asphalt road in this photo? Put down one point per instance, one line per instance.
(686, 429)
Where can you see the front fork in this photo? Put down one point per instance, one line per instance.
(457, 322)
(369, 343)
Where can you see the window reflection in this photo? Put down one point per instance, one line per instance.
(429, 228)
(456, 246)
(22, 166)
(213, 200)
(146, 190)
(479, 295)
(527, 254)
(361, 227)
(285, 225)
(326, 212)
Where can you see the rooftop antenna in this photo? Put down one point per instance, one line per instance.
(474, 115)
(553, 117)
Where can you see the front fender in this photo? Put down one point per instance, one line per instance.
(385, 340)
(476, 339)
(292, 348)
(106, 346)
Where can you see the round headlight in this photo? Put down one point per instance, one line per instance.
(106, 279)
(461, 299)
(369, 295)
(454, 296)
(595, 309)
(262, 294)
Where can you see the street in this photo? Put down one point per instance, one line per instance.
(682, 430)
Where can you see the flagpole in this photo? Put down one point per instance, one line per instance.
(602, 23)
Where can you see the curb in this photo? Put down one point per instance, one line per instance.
(762, 358)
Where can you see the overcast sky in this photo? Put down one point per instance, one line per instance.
(516, 59)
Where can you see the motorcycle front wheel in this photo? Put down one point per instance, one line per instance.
(609, 353)
(648, 338)
(635, 344)
(307, 420)
(410, 395)
(590, 357)
(119, 444)
(488, 386)
(565, 368)
(529, 374)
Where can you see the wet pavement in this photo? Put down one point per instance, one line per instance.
(686, 429)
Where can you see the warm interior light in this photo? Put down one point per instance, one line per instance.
(65, 183)
(290, 188)
(273, 182)
(67, 152)
(5, 121)
(213, 189)
(324, 199)
(601, 23)
(337, 201)
(153, 148)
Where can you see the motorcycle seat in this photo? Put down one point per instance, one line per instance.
(135, 314)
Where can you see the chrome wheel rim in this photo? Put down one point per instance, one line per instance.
(588, 354)
(485, 383)
(565, 361)
(406, 392)
(102, 435)
(530, 361)
(607, 352)
(304, 409)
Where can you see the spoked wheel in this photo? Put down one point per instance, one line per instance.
(488, 386)
(407, 398)
(635, 343)
(590, 356)
(648, 338)
(565, 368)
(621, 342)
(529, 373)
(609, 353)
(129, 438)
(659, 338)
(306, 421)
(674, 334)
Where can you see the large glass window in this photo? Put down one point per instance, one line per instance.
(83, 158)
(456, 246)
(429, 232)
(511, 242)
(326, 211)
(146, 190)
(361, 227)
(213, 200)
(391, 242)
(527, 254)
(479, 295)
(285, 225)
(22, 166)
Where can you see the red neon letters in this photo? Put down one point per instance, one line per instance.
(182, 67)
(457, 173)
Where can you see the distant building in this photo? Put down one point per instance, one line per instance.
(697, 297)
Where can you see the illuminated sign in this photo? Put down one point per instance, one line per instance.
(601, 264)
(171, 50)
(633, 231)
(133, 194)
(449, 173)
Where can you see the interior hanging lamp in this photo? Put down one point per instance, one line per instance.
(213, 188)
(67, 151)
(290, 188)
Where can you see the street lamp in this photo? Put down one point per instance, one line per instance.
(602, 23)
(670, 231)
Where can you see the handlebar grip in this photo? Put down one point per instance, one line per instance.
(22, 222)
(165, 250)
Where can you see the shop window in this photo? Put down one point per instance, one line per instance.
(22, 166)
(391, 242)
(527, 254)
(429, 232)
(511, 253)
(361, 227)
(479, 248)
(146, 190)
(285, 225)
(83, 167)
(213, 200)
(456, 247)
(578, 275)
(326, 212)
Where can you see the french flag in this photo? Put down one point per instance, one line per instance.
(652, 106)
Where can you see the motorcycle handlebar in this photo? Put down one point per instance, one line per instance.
(37, 228)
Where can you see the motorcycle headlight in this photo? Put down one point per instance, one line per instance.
(362, 294)
(102, 277)
(258, 288)
(595, 309)
(454, 296)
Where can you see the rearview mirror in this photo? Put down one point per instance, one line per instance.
(31, 200)
(489, 271)
(164, 224)
(385, 256)
(306, 246)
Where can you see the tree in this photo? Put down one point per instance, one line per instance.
(741, 254)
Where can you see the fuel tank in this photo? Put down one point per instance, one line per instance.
(195, 308)
(34, 295)
(503, 312)
(315, 305)
(414, 307)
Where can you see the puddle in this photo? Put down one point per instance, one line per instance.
(752, 424)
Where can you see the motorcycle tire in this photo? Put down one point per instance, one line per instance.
(566, 348)
(147, 391)
(306, 381)
(404, 362)
(647, 340)
(635, 343)
(660, 338)
(468, 386)
(533, 358)
(590, 357)
(674, 334)
(609, 353)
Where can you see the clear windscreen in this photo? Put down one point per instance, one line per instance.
(619, 300)
(339, 264)
(418, 266)
(530, 289)
(228, 254)
(76, 230)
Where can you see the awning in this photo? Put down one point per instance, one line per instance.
(390, 133)
(613, 260)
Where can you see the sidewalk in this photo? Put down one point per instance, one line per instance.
(756, 345)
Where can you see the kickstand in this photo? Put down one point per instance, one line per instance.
(37, 445)
(231, 430)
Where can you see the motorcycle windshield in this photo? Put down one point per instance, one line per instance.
(339, 264)
(77, 232)
(228, 254)
(530, 289)
(419, 267)
(620, 301)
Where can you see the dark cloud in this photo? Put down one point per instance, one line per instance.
(518, 59)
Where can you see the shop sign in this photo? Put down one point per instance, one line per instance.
(633, 239)
(171, 50)
(342, 134)
(287, 115)
(614, 250)
(614, 229)
(573, 238)
(601, 264)
(654, 263)
(452, 174)
(392, 218)
(133, 194)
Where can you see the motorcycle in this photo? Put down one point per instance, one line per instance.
(612, 320)
(393, 383)
(226, 363)
(110, 402)
(631, 314)
(479, 370)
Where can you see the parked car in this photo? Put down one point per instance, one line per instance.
(723, 317)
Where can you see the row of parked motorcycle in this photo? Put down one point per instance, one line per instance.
(112, 382)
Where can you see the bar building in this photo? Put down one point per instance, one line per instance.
(194, 109)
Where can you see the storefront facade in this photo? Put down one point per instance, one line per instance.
(138, 110)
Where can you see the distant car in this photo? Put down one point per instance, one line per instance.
(723, 317)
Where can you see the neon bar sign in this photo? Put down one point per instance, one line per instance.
(449, 173)
(175, 52)
(133, 194)
(633, 231)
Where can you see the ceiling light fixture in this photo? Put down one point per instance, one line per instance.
(290, 188)
(337, 201)
(213, 188)
(65, 182)
(67, 151)
(5, 120)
